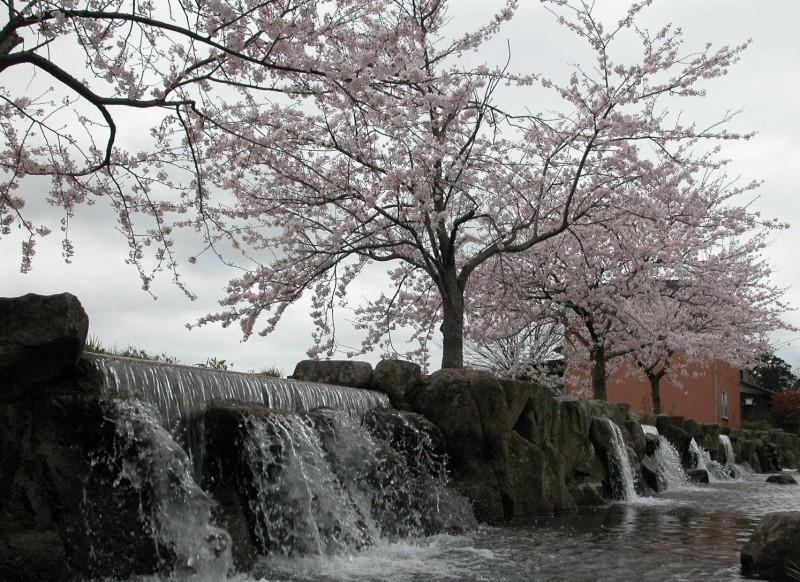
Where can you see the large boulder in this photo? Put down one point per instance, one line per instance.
(395, 378)
(41, 339)
(66, 512)
(337, 372)
(773, 551)
(469, 407)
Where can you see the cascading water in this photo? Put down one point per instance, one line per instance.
(622, 476)
(667, 459)
(730, 458)
(179, 516)
(326, 485)
(322, 483)
(702, 460)
(181, 393)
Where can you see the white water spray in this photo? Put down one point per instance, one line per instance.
(622, 476)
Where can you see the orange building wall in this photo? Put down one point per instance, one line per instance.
(699, 395)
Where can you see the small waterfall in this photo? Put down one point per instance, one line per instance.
(702, 460)
(622, 476)
(179, 515)
(669, 461)
(326, 485)
(180, 393)
(730, 457)
(667, 458)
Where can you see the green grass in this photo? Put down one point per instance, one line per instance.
(95, 346)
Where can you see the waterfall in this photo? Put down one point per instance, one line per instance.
(179, 515)
(729, 463)
(326, 485)
(622, 477)
(669, 461)
(702, 460)
(700, 457)
(180, 393)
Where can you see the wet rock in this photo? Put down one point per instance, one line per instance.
(41, 339)
(408, 432)
(697, 476)
(229, 478)
(537, 487)
(337, 372)
(652, 476)
(782, 479)
(394, 378)
(469, 407)
(773, 549)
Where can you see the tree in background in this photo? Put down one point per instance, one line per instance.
(773, 373)
(532, 352)
(785, 411)
(431, 174)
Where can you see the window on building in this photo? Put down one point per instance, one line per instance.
(724, 405)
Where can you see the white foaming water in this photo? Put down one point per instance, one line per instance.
(702, 460)
(730, 457)
(325, 486)
(622, 476)
(180, 515)
(669, 463)
(441, 557)
(180, 393)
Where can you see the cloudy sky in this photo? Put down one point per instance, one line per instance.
(765, 86)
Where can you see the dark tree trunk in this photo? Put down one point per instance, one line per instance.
(452, 325)
(599, 380)
(655, 391)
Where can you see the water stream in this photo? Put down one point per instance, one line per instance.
(623, 481)
(693, 533)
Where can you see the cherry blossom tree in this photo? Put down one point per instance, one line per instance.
(416, 163)
(675, 277)
(183, 69)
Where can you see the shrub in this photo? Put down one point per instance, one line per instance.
(785, 412)
(95, 346)
(757, 425)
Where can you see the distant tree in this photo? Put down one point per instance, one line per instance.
(773, 373)
(530, 352)
(785, 411)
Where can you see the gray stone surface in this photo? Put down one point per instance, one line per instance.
(337, 372)
(774, 547)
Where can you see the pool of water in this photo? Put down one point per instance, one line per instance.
(694, 533)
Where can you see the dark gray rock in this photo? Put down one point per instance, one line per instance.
(652, 476)
(469, 407)
(41, 339)
(229, 477)
(396, 377)
(774, 548)
(697, 476)
(782, 479)
(337, 372)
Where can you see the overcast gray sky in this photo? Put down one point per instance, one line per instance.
(765, 85)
